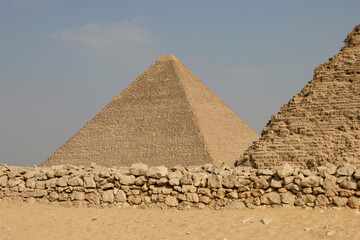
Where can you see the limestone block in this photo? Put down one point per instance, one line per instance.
(188, 189)
(288, 198)
(89, 182)
(3, 181)
(75, 181)
(77, 196)
(162, 181)
(62, 181)
(268, 172)
(204, 191)
(257, 192)
(321, 200)
(245, 194)
(284, 170)
(340, 201)
(186, 179)
(270, 198)
(205, 199)
(261, 183)
(93, 198)
(107, 186)
(53, 196)
(235, 205)
(120, 196)
(214, 181)
(241, 182)
(137, 200)
(288, 180)
(221, 192)
(345, 170)
(192, 197)
(348, 184)
(275, 183)
(141, 180)
(40, 184)
(346, 193)
(51, 183)
(157, 172)
(14, 182)
(357, 174)
(318, 190)
(138, 169)
(229, 181)
(174, 182)
(108, 196)
(38, 193)
(29, 174)
(127, 180)
(232, 195)
(171, 201)
(330, 183)
(354, 202)
(199, 179)
(311, 181)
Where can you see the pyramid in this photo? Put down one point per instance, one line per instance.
(321, 124)
(167, 116)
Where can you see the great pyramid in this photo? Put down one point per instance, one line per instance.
(321, 124)
(167, 116)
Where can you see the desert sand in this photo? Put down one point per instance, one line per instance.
(41, 221)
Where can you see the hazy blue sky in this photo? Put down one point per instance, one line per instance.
(62, 61)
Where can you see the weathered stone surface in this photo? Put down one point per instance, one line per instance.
(340, 201)
(232, 195)
(214, 181)
(3, 181)
(270, 198)
(108, 196)
(127, 179)
(261, 183)
(89, 182)
(321, 200)
(75, 181)
(77, 196)
(311, 181)
(275, 183)
(171, 201)
(157, 172)
(288, 198)
(192, 197)
(138, 169)
(330, 183)
(13, 182)
(93, 198)
(186, 179)
(354, 202)
(120, 196)
(345, 171)
(284, 170)
(30, 183)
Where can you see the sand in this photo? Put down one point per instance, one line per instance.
(41, 221)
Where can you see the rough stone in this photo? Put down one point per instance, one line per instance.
(127, 179)
(108, 196)
(354, 202)
(138, 169)
(311, 181)
(284, 170)
(171, 201)
(214, 181)
(157, 172)
(89, 182)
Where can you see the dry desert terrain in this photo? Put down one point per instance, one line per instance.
(42, 221)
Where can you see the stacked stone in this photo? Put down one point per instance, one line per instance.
(141, 186)
(321, 124)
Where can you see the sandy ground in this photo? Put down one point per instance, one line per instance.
(41, 221)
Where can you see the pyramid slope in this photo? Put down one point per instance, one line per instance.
(151, 121)
(321, 124)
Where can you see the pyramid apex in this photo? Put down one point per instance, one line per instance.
(353, 38)
(167, 58)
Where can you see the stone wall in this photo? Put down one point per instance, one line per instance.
(141, 186)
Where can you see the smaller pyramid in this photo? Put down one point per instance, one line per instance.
(167, 116)
(321, 124)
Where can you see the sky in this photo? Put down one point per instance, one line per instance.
(62, 61)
